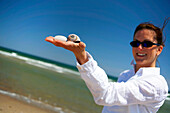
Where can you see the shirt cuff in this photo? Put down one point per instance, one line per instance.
(89, 66)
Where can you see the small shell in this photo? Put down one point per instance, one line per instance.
(74, 38)
(60, 37)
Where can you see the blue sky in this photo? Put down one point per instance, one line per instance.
(106, 26)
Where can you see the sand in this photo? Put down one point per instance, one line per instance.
(11, 105)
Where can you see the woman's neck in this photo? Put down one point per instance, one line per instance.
(137, 67)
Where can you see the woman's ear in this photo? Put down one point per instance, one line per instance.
(160, 48)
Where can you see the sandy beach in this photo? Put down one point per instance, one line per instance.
(11, 105)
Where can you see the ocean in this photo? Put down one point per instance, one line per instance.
(48, 84)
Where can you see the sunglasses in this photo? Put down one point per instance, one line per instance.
(144, 43)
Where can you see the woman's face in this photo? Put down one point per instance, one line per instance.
(146, 57)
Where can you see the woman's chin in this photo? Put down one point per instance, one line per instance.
(141, 63)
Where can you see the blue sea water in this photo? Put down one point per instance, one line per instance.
(48, 84)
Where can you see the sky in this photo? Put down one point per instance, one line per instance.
(106, 26)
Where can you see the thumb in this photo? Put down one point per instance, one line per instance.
(82, 45)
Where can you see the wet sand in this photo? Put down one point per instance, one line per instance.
(11, 105)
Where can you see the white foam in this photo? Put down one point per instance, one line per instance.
(34, 102)
(5, 53)
(168, 97)
(41, 64)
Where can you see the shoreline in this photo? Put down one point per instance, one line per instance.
(11, 105)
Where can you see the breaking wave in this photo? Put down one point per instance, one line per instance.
(41, 64)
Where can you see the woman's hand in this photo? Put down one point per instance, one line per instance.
(77, 48)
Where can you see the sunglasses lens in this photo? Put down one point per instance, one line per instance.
(134, 43)
(147, 44)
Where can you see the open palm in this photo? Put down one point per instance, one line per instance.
(77, 48)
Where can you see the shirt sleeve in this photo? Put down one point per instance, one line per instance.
(107, 93)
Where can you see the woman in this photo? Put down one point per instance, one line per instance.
(140, 90)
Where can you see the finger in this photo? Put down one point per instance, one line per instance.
(56, 42)
(82, 45)
(59, 43)
(49, 39)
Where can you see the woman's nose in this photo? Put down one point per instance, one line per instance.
(140, 46)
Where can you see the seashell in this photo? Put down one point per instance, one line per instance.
(74, 38)
(60, 37)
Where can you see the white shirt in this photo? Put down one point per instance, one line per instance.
(142, 92)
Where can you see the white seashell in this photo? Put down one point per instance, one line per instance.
(60, 37)
(74, 38)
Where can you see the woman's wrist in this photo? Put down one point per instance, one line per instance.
(81, 57)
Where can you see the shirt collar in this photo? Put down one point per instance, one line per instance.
(148, 71)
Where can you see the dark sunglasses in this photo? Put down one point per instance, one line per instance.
(144, 43)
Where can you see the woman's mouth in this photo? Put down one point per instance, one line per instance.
(141, 54)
